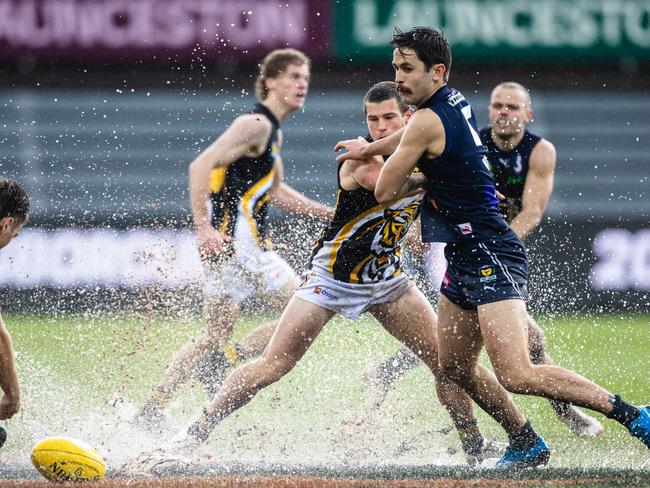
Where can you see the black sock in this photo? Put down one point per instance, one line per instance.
(561, 408)
(202, 428)
(623, 412)
(470, 437)
(524, 439)
(395, 366)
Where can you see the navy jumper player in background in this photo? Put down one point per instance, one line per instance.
(483, 298)
(231, 184)
(523, 165)
(14, 213)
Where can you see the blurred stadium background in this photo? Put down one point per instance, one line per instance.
(104, 103)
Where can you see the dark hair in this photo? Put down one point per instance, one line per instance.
(429, 44)
(274, 65)
(382, 91)
(13, 201)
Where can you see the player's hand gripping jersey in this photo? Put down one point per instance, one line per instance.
(510, 169)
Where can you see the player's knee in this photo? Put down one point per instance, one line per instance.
(454, 370)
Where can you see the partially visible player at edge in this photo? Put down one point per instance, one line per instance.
(355, 267)
(483, 297)
(523, 165)
(237, 176)
(14, 213)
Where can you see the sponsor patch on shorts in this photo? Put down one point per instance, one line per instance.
(487, 273)
(319, 290)
(465, 228)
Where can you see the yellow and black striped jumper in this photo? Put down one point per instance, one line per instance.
(240, 192)
(362, 243)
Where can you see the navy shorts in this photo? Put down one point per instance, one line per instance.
(485, 272)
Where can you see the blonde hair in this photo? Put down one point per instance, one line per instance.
(274, 64)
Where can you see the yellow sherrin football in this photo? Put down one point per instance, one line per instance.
(63, 459)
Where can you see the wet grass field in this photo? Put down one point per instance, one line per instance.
(84, 376)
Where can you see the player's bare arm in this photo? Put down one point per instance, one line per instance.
(423, 134)
(246, 136)
(537, 190)
(10, 402)
(294, 202)
(359, 148)
(355, 173)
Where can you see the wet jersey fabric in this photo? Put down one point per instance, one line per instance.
(486, 260)
(510, 169)
(240, 191)
(362, 243)
(461, 203)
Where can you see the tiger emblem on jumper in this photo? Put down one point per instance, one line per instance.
(396, 224)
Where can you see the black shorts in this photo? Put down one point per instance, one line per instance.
(485, 272)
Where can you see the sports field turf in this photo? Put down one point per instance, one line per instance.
(83, 377)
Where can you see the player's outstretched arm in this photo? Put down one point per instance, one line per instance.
(10, 402)
(359, 148)
(423, 134)
(537, 189)
(246, 136)
(294, 202)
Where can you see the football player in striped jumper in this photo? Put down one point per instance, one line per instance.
(231, 184)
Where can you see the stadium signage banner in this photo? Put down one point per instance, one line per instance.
(77, 258)
(147, 29)
(577, 267)
(530, 30)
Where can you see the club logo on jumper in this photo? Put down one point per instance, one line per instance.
(322, 291)
(465, 228)
(487, 273)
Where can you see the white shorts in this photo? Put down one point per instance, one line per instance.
(435, 263)
(348, 299)
(247, 274)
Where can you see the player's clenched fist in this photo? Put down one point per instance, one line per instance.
(9, 405)
(211, 241)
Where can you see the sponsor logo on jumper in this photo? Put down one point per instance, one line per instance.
(322, 291)
(465, 228)
(455, 99)
(487, 273)
(445, 280)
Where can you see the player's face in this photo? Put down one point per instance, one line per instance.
(509, 112)
(8, 230)
(414, 82)
(292, 85)
(384, 118)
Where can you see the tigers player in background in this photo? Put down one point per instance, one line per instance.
(231, 184)
(14, 213)
(355, 267)
(523, 165)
